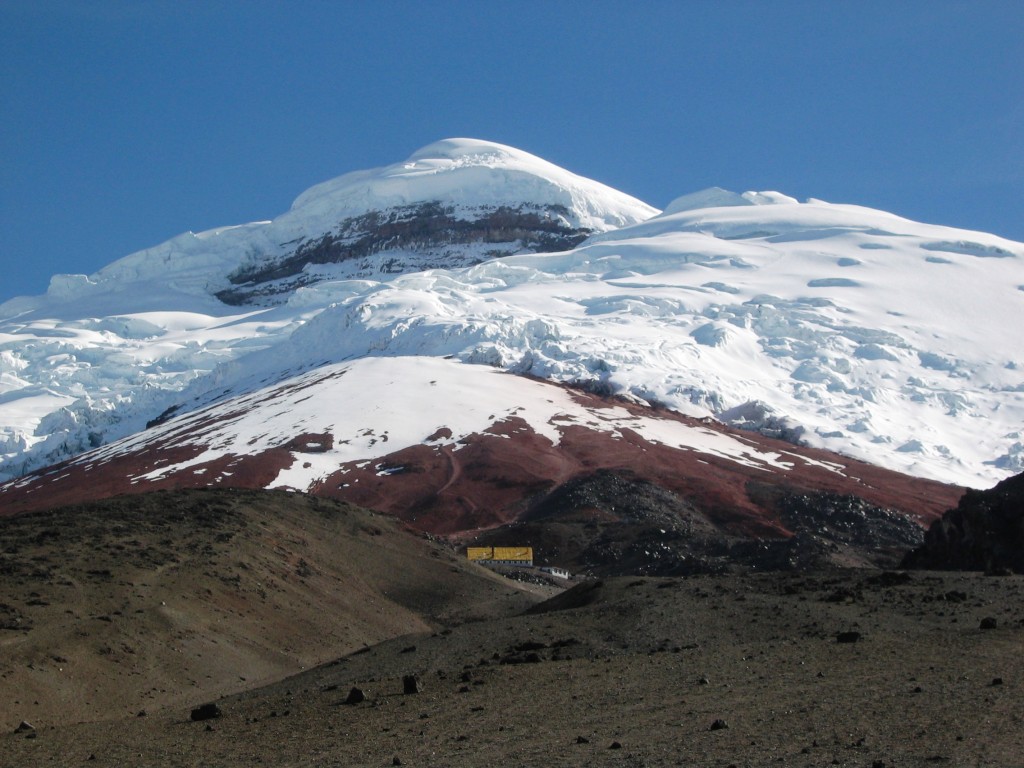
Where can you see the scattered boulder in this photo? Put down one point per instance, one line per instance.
(411, 684)
(24, 727)
(718, 725)
(890, 579)
(205, 712)
(355, 696)
(521, 658)
(848, 637)
(530, 645)
(988, 623)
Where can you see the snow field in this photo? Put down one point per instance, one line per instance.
(852, 329)
(374, 407)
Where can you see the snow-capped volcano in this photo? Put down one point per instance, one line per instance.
(453, 203)
(468, 174)
(834, 325)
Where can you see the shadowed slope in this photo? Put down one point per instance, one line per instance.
(985, 532)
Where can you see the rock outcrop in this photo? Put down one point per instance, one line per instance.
(984, 533)
(409, 238)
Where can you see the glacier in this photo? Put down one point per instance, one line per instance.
(837, 326)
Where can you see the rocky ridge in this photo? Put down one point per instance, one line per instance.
(410, 238)
(984, 532)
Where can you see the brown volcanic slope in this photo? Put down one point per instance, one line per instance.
(490, 482)
(139, 602)
(458, 484)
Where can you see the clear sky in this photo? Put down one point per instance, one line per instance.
(126, 122)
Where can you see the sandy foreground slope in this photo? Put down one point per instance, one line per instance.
(135, 603)
(624, 671)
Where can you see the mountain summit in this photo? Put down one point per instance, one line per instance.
(834, 326)
(451, 204)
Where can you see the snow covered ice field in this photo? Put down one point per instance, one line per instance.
(843, 327)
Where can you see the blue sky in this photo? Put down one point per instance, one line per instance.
(126, 122)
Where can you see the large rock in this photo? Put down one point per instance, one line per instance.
(984, 533)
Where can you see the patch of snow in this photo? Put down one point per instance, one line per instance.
(357, 400)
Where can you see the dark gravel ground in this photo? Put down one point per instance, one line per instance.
(844, 667)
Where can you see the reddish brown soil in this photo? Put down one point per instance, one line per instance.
(491, 479)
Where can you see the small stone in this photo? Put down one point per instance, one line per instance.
(205, 712)
(355, 696)
(142, 713)
(24, 726)
(615, 745)
(847, 637)
(988, 623)
(411, 684)
(704, 681)
(997, 681)
(396, 760)
(582, 740)
(718, 725)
